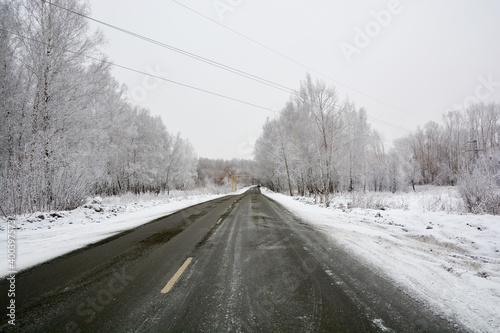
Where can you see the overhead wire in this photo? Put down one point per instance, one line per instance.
(172, 81)
(294, 60)
(183, 52)
(385, 123)
(147, 74)
(208, 61)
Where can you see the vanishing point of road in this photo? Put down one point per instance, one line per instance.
(240, 263)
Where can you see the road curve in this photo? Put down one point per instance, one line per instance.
(235, 264)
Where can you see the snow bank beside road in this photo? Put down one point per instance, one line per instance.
(452, 262)
(44, 236)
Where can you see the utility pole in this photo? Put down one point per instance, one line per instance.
(475, 150)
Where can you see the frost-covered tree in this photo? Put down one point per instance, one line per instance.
(52, 89)
(325, 110)
(266, 157)
(454, 139)
(318, 145)
(67, 131)
(410, 168)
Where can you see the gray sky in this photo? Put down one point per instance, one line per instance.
(412, 60)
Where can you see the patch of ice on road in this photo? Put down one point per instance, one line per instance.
(379, 323)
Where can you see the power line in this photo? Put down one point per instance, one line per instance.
(179, 83)
(217, 64)
(200, 58)
(148, 74)
(382, 122)
(183, 52)
(295, 61)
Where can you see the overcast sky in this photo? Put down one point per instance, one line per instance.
(407, 62)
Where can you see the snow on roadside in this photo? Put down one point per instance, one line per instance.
(450, 261)
(44, 236)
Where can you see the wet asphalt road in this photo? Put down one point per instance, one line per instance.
(240, 264)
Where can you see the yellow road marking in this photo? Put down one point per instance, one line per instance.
(176, 276)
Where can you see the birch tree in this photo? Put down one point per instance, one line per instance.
(324, 107)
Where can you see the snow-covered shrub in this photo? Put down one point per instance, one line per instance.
(480, 192)
(369, 200)
(425, 199)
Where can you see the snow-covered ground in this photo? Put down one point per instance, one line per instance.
(424, 242)
(44, 236)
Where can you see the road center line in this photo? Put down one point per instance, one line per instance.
(176, 276)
